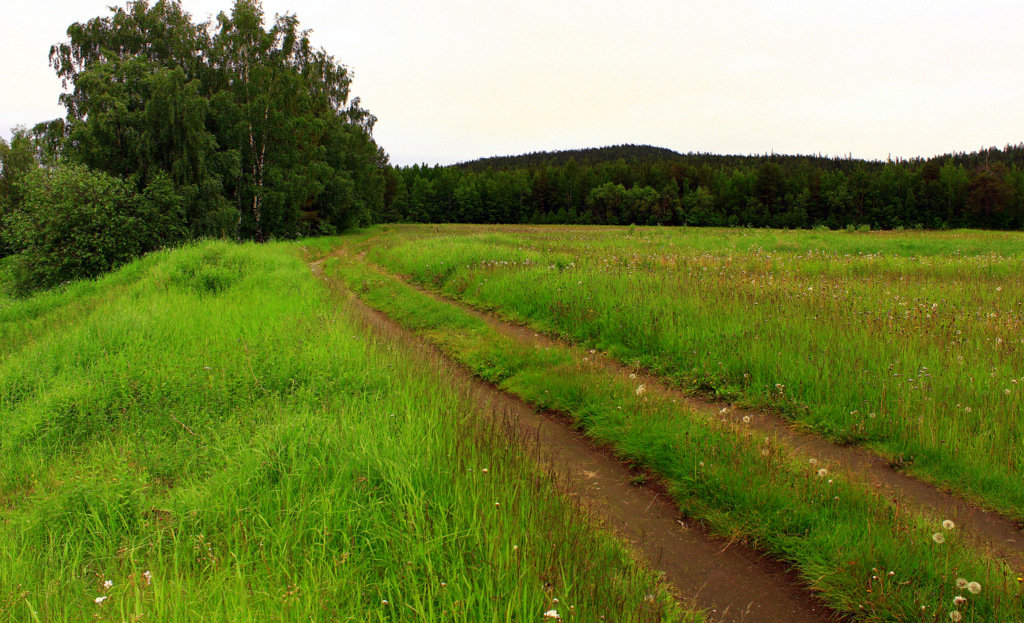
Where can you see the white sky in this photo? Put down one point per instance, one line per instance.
(453, 80)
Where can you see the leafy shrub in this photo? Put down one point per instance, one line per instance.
(76, 223)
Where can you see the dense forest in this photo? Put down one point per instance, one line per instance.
(646, 185)
(177, 130)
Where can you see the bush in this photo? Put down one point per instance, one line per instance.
(77, 223)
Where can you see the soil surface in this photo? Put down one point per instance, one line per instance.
(999, 535)
(729, 580)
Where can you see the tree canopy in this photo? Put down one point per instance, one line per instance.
(254, 126)
(235, 128)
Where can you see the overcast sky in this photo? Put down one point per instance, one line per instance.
(453, 80)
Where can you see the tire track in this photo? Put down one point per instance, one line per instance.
(733, 583)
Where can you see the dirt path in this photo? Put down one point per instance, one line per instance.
(733, 583)
(1001, 536)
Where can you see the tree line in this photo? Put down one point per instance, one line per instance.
(643, 185)
(177, 130)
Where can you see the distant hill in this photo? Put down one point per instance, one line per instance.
(647, 154)
(592, 155)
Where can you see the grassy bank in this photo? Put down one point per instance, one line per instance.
(865, 557)
(907, 342)
(207, 434)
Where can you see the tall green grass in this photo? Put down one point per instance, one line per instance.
(911, 343)
(209, 435)
(866, 557)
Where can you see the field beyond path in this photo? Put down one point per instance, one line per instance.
(756, 491)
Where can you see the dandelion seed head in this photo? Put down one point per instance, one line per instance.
(822, 472)
(973, 588)
(959, 600)
(938, 538)
(948, 524)
(552, 614)
(961, 583)
(955, 616)
(813, 461)
(746, 419)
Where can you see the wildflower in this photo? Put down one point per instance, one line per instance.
(746, 419)
(383, 602)
(973, 588)
(822, 472)
(632, 375)
(813, 461)
(959, 600)
(961, 583)
(955, 616)
(552, 614)
(641, 390)
(948, 524)
(100, 599)
(108, 584)
(148, 577)
(938, 538)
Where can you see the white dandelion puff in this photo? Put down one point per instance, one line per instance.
(973, 588)
(822, 472)
(938, 538)
(955, 616)
(948, 524)
(552, 614)
(959, 600)
(641, 390)
(961, 583)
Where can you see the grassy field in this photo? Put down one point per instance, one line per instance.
(861, 554)
(911, 343)
(208, 434)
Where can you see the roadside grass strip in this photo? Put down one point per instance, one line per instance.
(862, 555)
(909, 343)
(210, 435)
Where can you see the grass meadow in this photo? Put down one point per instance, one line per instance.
(910, 343)
(861, 554)
(209, 434)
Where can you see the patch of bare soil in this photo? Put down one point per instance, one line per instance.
(727, 579)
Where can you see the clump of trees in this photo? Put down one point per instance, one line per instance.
(648, 186)
(178, 130)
